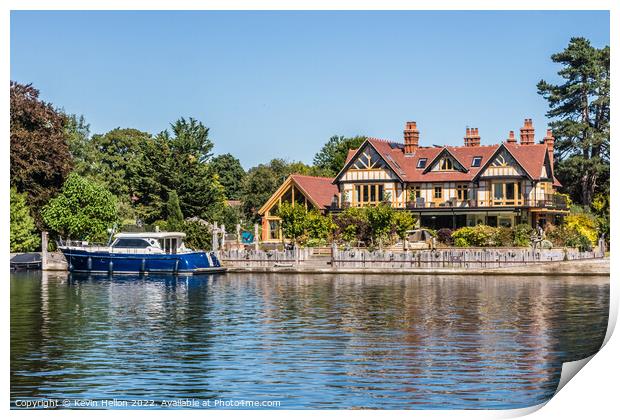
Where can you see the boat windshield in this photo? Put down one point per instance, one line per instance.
(130, 243)
(170, 245)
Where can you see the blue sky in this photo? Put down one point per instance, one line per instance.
(279, 84)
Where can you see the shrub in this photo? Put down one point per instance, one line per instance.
(461, 242)
(568, 236)
(480, 235)
(445, 236)
(24, 236)
(584, 224)
(402, 221)
(198, 236)
(318, 227)
(352, 225)
(502, 236)
(522, 235)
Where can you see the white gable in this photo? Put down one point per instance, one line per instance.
(503, 165)
(368, 165)
(446, 162)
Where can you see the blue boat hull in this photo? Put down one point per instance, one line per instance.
(119, 263)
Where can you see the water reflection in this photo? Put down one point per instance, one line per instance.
(326, 341)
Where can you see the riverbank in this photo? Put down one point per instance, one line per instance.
(590, 267)
(594, 267)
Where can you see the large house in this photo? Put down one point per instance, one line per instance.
(444, 186)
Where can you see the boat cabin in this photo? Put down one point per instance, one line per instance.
(165, 242)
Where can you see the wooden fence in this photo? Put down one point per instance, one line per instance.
(251, 258)
(456, 258)
(440, 258)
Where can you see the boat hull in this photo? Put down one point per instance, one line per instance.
(119, 263)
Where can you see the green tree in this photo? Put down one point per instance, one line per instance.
(318, 226)
(230, 217)
(402, 221)
(198, 235)
(178, 161)
(24, 236)
(579, 108)
(82, 210)
(293, 221)
(85, 160)
(352, 226)
(333, 154)
(40, 157)
(380, 219)
(231, 174)
(174, 215)
(117, 154)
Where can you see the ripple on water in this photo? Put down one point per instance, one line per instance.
(343, 341)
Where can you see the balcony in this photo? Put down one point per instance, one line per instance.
(550, 201)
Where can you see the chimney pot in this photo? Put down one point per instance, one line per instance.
(511, 137)
(549, 141)
(527, 132)
(412, 137)
(472, 138)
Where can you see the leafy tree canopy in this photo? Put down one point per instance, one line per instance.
(178, 161)
(77, 133)
(333, 154)
(579, 107)
(173, 211)
(82, 210)
(40, 158)
(231, 174)
(117, 155)
(24, 236)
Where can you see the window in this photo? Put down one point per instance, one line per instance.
(501, 160)
(462, 192)
(475, 162)
(438, 192)
(507, 193)
(421, 163)
(415, 192)
(274, 229)
(505, 222)
(368, 194)
(445, 164)
(368, 159)
(130, 243)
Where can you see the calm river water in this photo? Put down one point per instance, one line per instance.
(322, 341)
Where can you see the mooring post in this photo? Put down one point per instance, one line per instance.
(44, 250)
(214, 238)
(255, 236)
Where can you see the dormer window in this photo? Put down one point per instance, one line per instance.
(475, 162)
(421, 163)
(445, 164)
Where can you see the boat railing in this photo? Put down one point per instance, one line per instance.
(101, 247)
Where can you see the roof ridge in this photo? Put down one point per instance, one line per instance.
(384, 140)
(312, 176)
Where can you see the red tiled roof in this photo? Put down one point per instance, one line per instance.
(530, 157)
(319, 189)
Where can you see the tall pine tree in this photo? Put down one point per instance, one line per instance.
(579, 109)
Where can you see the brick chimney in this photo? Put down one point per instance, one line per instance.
(527, 132)
(549, 140)
(412, 137)
(472, 138)
(511, 137)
